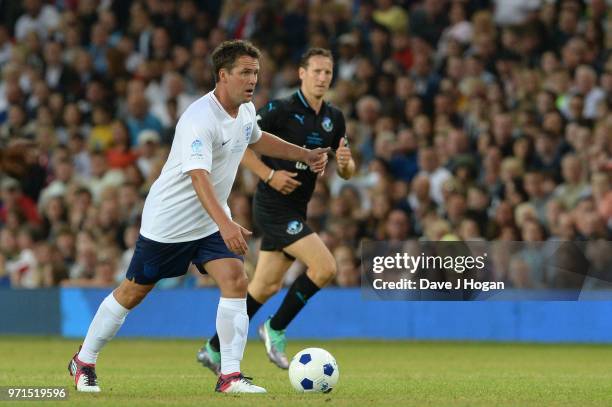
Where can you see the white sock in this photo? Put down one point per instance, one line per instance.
(233, 328)
(103, 327)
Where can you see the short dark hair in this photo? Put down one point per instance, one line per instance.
(228, 52)
(313, 52)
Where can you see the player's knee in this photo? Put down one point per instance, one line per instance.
(242, 283)
(130, 294)
(330, 270)
(261, 290)
(129, 297)
(271, 288)
(236, 283)
(325, 273)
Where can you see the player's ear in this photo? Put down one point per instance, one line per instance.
(223, 75)
(301, 73)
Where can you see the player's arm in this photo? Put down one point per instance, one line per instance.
(344, 159)
(272, 146)
(232, 233)
(280, 180)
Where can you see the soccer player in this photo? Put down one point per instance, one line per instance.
(280, 202)
(210, 139)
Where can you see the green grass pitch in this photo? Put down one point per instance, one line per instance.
(164, 372)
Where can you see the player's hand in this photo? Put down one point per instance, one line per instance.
(283, 181)
(317, 159)
(234, 237)
(343, 154)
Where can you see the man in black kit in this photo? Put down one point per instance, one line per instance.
(280, 204)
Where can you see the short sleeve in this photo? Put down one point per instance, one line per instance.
(255, 133)
(196, 146)
(340, 132)
(267, 117)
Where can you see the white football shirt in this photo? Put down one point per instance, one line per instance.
(207, 138)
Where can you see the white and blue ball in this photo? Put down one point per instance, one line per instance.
(313, 370)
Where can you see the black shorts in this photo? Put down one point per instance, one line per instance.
(280, 224)
(153, 261)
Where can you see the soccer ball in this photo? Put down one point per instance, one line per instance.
(313, 370)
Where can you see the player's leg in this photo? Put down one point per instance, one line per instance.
(108, 319)
(321, 265)
(232, 323)
(151, 262)
(267, 281)
(311, 251)
(269, 274)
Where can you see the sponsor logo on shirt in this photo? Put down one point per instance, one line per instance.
(299, 118)
(314, 139)
(294, 227)
(300, 165)
(327, 124)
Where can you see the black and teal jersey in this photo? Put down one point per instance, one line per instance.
(293, 120)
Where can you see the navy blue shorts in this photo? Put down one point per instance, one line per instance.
(153, 261)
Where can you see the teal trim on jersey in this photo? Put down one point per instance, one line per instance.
(299, 93)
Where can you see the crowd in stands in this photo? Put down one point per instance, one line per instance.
(469, 120)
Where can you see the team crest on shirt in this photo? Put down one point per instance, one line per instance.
(197, 147)
(327, 124)
(294, 227)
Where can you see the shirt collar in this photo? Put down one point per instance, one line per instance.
(302, 99)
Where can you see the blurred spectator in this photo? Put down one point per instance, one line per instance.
(80, 155)
(54, 216)
(102, 177)
(24, 268)
(429, 20)
(397, 226)
(574, 185)
(148, 140)
(139, 117)
(103, 276)
(120, 155)
(533, 186)
(39, 18)
(85, 257)
(63, 178)
(6, 47)
(585, 83)
(101, 136)
(173, 90)
(14, 200)
(65, 242)
(348, 270)
(516, 11)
